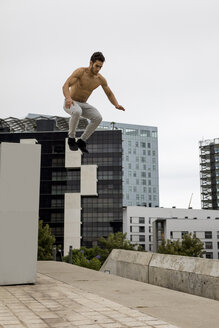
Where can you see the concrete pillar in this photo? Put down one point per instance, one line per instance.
(19, 212)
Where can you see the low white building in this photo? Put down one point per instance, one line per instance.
(145, 226)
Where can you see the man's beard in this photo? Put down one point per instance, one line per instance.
(92, 70)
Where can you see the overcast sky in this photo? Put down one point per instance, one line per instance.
(162, 63)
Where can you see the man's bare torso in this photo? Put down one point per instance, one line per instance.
(86, 83)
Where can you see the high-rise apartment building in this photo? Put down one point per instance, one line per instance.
(140, 163)
(209, 173)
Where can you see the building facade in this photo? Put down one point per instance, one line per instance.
(147, 226)
(99, 212)
(140, 163)
(209, 173)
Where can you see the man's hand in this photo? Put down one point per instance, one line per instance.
(120, 107)
(68, 102)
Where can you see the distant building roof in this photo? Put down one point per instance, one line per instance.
(13, 124)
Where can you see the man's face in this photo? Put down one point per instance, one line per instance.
(96, 67)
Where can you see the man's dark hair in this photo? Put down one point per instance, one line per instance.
(97, 56)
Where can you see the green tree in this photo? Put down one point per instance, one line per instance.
(118, 241)
(93, 258)
(189, 246)
(86, 257)
(45, 242)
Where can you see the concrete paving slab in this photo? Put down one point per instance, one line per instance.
(52, 303)
(173, 307)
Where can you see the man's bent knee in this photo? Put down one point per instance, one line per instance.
(76, 111)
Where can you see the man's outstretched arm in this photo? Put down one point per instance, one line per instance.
(110, 95)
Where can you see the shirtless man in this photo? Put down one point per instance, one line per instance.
(77, 89)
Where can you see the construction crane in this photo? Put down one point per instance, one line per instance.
(190, 201)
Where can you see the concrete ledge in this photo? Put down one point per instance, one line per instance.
(187, 274)
(128, 264)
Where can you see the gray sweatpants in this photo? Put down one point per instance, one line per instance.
(87, 111)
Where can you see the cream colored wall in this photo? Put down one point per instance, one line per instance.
(72, 227)
(19, 212)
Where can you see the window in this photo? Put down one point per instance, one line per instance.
(142, 220)
(149, 145)
(141, 229)
(171, 234)
(143, 174)
(143, 144)
(131, 132)
(144, 133)
(149, 229)
(154, 134)
(208, 245)
(209, 255)
(217, 234)
(136, 144)
(208, 234)
(218, 245)
(131, 229)
(141, 238)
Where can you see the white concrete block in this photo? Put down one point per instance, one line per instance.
(72, 221)
(89, 180)
(72, 158)
(19, 212)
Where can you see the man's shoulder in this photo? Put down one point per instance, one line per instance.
(79, 71)
(102, 79)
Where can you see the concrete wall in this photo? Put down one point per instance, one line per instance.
(19, 212)
(187, 274)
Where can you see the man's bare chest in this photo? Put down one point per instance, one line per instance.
(88, 83)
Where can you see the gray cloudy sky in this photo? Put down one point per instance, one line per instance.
(162, 63)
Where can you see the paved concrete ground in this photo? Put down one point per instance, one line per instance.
(71, 296)
(180, 309)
